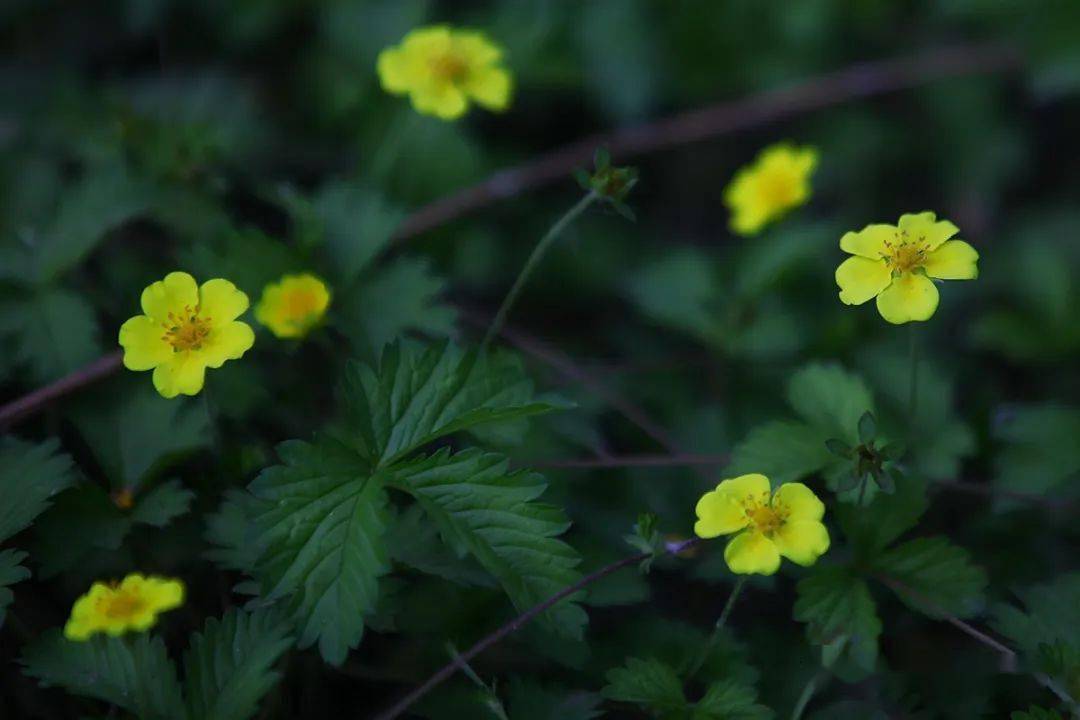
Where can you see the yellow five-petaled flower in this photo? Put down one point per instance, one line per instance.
(769, 524)
(186, 329)
(442, 69)
(293, 306)
(895, 264)
(776, 182)
(117, 608)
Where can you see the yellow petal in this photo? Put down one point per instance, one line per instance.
(752, 553)
(954, 260)
(802, 541)
(754, 487)
(397, 71)
(176, 294)
(229, 342)
(912, 296)
(475, 48)
(926, 229)
(144, 344)
(868, 242)
(183, 374)
(444, 100)
(490, 87)
(718, 514)
(220, 301)
(860, 279)
(800, 502)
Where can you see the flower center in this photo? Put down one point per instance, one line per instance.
(448, 66)
(765, 519)
(122, 606)
(777, 188)
(904, 254)
(301, 305)
(186, 331)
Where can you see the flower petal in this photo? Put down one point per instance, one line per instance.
(868, 242)
(925, 228)
(802, 541)
(490, 87)
(144, 344)
(754, 486)
(442, 99)
(752, 553)
(912, 296)
(220, 301)
(799, 500)
(175, 294)
(397, 71)
(718, 514)
(475, 48)
(183, 374)
(955, 260)
(860, 279)
(229, 342)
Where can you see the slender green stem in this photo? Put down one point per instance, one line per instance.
(913, 386)
(808, 694)
(534, 259)
(718, 629)
(382, 161)
(862, 492)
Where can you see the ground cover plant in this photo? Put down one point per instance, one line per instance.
(536, 360)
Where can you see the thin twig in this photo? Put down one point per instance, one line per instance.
(38, 399)
(856, 82)
(459, 662)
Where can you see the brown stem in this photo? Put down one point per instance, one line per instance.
(858, 81)
(458, 662)
(29, 404)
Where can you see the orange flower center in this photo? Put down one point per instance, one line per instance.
(904, 254)
(123, 605)
(300, 305)
(186, 331)
(764, 516)
(448, 66)
(777, 188)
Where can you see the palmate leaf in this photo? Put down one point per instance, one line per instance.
(529, 700)
(481, 507)
(934, 577)
(29, 476)
(320, 531)
(228, 667)
(52, 331)
(840, 614)
(11, 572)
(730, 700)
(134, 673)
(420, 393)
(648, 682)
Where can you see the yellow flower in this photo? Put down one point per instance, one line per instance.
(293, 305)
(776, 182)
(442, 69)
(895, 264)
(769, 524)
(116, 608)
(185, 330)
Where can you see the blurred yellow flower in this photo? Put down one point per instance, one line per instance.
(116, 608)
(777, 181)
(293, 305)
(895, 264)
(441, 69)
(186, 329)
(769, 524)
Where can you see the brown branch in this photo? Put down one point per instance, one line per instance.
(856, 82)
(458, 662)
(29, 404)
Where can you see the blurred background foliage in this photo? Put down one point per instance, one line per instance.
(248, 139)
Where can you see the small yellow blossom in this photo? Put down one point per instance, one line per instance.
(116, 608)
(895, 264)
(769, 524)
(442, 69)
(186, 329)
(776, 182)
(293, 305)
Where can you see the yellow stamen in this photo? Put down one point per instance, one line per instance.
(905, 253)
(187, 331)
(448, 66)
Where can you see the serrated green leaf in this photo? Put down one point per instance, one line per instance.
(355, 223)
(871, 528)
(647, 682)
(830, 399)
(483, 508)
(52, 330)
(783, 451)
(529, 700)
(134, 673)
(320, 529)
(163, 504)
(228, 667)
(11, 572)
(1040, 452)
(730, 700)
(30, 475)
(934, 576)
(420, 393)
(233, 534)
(415, 541)
(837, 606)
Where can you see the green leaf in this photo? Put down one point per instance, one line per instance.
(29, 476)
(228, 667)
(248, 257)
(163, 504)
(232, 533)
(647, 682)
(84, 519)
(784, 451)
(1035, 713)
(1040, 451)
(134, 673)
(730, 700)
(873, 527)
(488, 511)
(529, 700)
(11, 572)
(934, 577)
(420, 393)
(415, 541)
(53, 332)
(830, 399)
(837, 606)
(321, 534)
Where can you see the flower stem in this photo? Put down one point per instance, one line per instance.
(534, 259)
(715, 637)
(807, 694)
(913, 386)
